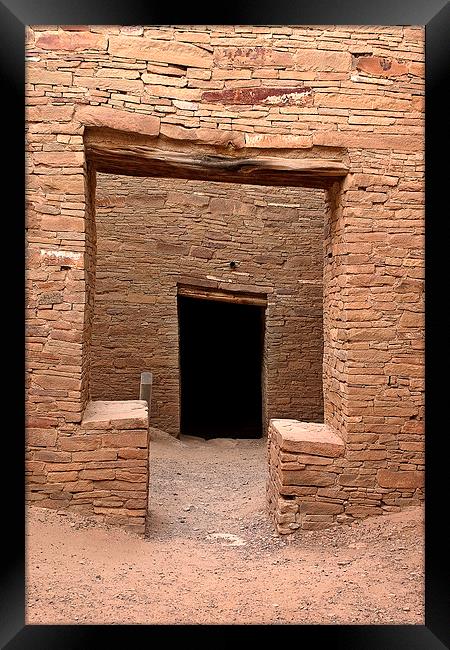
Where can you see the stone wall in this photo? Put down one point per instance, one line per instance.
(312, 485)
(154, 233)
(288, 92)
(101, 470)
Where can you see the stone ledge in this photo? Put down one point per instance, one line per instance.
(307, 438)
(124, 414)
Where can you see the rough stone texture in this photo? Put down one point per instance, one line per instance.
(374, 227)
(113, 119)
(93, 471)
(303, 488)
(153, 233)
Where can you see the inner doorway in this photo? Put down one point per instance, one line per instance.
(221, 351)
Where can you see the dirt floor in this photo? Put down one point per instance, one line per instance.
(211, 555)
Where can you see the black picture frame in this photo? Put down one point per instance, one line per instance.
(435, 16)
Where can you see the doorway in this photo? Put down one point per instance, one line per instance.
(221, 351)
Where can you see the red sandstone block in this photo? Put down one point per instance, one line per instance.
(108, 502)
(370, 454)
(62, 477)
(132, 476)
(41, 437)
(72, 41)
(307, 437)
(78, 486)
(320, 508)
(132, 453)
(49, 113)
(57, 382)
(80, 443)
(121, 120)
(296, 490)
(98, 474)
(307, 518)
(315, 525)
(201, 252)
(370, 141)
(400, 479)
(59, 158)
(35, 75)
(95, 455)
(125, 439)
(301, 59)
(361, 511)
(62, 223)
(272, 96)
(145, 49)
(307, 477)
(381, 67)
(51, 456)
(269, 141)
(219, 137)
(356, 480)
(135, 504)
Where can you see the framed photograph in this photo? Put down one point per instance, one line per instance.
(230, 237)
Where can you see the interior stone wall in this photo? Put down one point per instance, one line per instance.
(153, 233)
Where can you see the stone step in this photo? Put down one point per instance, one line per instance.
(307, 438)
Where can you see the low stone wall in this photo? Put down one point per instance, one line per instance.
(312, 485)
(102, 469)
(303, 472)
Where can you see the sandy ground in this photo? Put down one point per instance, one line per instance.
(212, 557)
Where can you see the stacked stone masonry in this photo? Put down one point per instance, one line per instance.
(309, 486)
(101, 469)
(155, 233)
(334, 92)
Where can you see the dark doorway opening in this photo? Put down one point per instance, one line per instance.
(221, 350)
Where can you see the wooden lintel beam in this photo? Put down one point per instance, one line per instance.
(266, 170)
(224, 296)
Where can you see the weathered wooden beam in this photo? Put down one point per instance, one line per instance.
(139, 160)
(224, 296)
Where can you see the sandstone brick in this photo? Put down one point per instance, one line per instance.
(355, 480)
(95, 455)
(61, 477)
(59, 158)
(57, 382)
(210, 136)
(98, 474)
(307, 477)
(132, 453)
(288, 96)
(103, 116)
(72, 41)
(315, 525)
(307, 438)
(401, 480)
(125, 439)
(135, 504)
(41, 437)
(384, 67)
(110, 502)
(268, 141)
(369, 141)
(79, 443)
(62, 224)
(146, 49)
(360, 511)
(51, 456)
(48, 77)
(320, 508)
